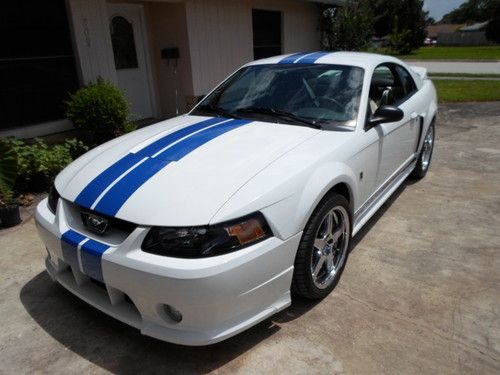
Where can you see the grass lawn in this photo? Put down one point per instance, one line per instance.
(454, 90)
(450, 53)
(465, 75)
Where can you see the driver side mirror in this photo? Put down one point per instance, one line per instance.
(384, 114)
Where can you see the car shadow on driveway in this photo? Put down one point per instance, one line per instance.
(380, 212)
(118, 348)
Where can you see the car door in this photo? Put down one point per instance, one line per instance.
(397, 139)
(410, 102)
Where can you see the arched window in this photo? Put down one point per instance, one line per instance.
(122, 37)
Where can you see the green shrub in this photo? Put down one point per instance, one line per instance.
(129, 127)
(8, 173)
(100, 110)
(8, 164)
(39, 163)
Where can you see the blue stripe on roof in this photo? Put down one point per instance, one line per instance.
(311, 59)
(116, 197)
(303, 58)
(290, 59)
(91, 192)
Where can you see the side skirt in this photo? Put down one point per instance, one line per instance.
(368, 209)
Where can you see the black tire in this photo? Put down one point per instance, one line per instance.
(303, 283)
(422, 167)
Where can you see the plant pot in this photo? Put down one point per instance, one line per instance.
(10, 216)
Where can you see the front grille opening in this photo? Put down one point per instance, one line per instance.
(128, 299)
(114, 223)
(98, 283)
(101, 285)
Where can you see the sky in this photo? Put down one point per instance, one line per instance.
(438, 8)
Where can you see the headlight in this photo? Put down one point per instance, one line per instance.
(53, 199)
(206, 241)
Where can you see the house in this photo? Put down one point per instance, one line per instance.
(459, 35)
(433, 31)
(163, 54)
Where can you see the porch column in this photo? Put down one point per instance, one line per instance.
(92, 40)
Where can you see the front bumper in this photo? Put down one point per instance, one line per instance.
(218, 297)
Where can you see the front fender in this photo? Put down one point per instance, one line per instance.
(288, 204)
(320, 183)
(430, 112)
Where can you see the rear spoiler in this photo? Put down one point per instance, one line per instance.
(422, 72)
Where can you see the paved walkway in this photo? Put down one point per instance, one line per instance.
(492, 67)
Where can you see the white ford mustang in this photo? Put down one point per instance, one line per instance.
(198, 227)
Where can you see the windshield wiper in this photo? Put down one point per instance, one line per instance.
(217, 110)
(279, 113)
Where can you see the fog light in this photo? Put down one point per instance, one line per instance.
(173, 313)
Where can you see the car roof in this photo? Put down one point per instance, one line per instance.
(367, 61)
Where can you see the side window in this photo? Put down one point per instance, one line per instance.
(382, 87)
(407, 83)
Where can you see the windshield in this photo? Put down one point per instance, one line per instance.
(317, 95)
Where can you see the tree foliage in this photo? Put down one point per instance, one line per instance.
(346, 28)
(478, 11)
(493, 28)
(351, 26)
(471, 11)
(405, 21)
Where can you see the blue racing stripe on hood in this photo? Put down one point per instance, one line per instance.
(91, 192)
(116, 197)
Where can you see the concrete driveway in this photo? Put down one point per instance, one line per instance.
(420, 294)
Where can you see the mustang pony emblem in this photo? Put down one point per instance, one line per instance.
(95, 223)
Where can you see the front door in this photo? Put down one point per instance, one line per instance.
(398, 139)
(128, 39)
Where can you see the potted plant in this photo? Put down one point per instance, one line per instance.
(9, 207)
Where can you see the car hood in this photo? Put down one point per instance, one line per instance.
(177, 172)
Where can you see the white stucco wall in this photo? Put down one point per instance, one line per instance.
(221, 37)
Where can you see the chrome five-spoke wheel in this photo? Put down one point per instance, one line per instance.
(323, 249)
(427, 148)
(425, 157)
(330, 247)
